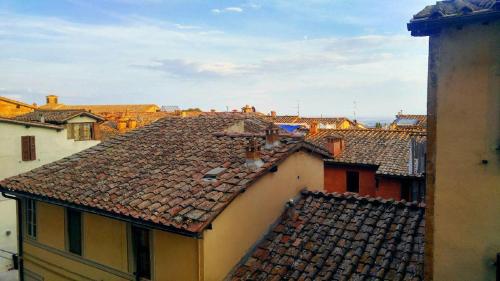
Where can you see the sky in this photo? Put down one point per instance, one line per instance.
(351, 58)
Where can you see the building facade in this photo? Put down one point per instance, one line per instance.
(190, 210)
(11, 108)
(373, 162)
(463, 167)
(26, 146)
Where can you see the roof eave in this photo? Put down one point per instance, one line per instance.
(428, 27)
(100, 212)
(32, 124)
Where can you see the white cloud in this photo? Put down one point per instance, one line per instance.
(227, 10)
(89, 63)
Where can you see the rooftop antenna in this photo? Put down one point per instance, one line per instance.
(298, 108)
(227, 108)
(355, 109)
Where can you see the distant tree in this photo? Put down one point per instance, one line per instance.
(192, 109)
(378, 125)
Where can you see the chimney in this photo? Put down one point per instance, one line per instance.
(273, 114)
(122, 124)
(313, 129)
(131, 123)
(272, 137)
(212, 110)
(252, 154)
(51, 99)
(335, 145)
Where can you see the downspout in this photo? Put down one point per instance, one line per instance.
(19, 234)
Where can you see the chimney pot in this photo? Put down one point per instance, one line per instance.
(273, 114)
(252, 154)
(313, 129)
(335, 145)
(272, 136)
(122, 124)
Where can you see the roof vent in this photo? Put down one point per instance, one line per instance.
(213, 174)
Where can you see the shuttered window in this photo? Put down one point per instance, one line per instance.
(28, 149)
(81, 131)
(141, 251)
(30, 218)
(74, 231)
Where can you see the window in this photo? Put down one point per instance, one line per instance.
(141, 252)
(28, 150)
(74, 231)
(352, 181)
(30, 218)
(81, 131)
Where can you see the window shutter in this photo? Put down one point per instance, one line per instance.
(32, 148)
(96, 131)
(82, 132)
(25, 148)
(69, 128)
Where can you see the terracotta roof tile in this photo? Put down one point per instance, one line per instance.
(432, 17)
(410, 122)
(322, 121)
(387, 149)
(55, 116)
(340, 237)
(155, 172)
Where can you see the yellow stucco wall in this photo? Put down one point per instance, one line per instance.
(250, 215)
(112, 247)
(105, 248)
(175, 257)
(50, 225)
(8, 109)
(467, 194)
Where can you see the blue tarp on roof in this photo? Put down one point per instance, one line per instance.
(289, 128)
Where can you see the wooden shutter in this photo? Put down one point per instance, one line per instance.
(82, 132)
(96, 131)
(69, 128)
(25, 148)
(32, 148)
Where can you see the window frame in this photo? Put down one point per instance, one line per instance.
(28, 148)
(347, 187)
(68, 234)
(30, 222)
(78, 126)
(132, 255)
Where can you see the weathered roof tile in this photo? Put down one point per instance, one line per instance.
(320, 255)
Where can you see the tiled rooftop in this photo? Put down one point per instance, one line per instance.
(340, 237)
(55, 116)
(106, 108)
(31, 123)
(444, 12)
(290, 119)
(155, 173)
(387, 149)
(402, 121)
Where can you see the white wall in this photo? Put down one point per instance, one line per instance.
(51, 145)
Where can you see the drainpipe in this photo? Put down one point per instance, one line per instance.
(19, 234)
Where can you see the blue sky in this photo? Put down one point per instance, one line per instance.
(330, 57)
